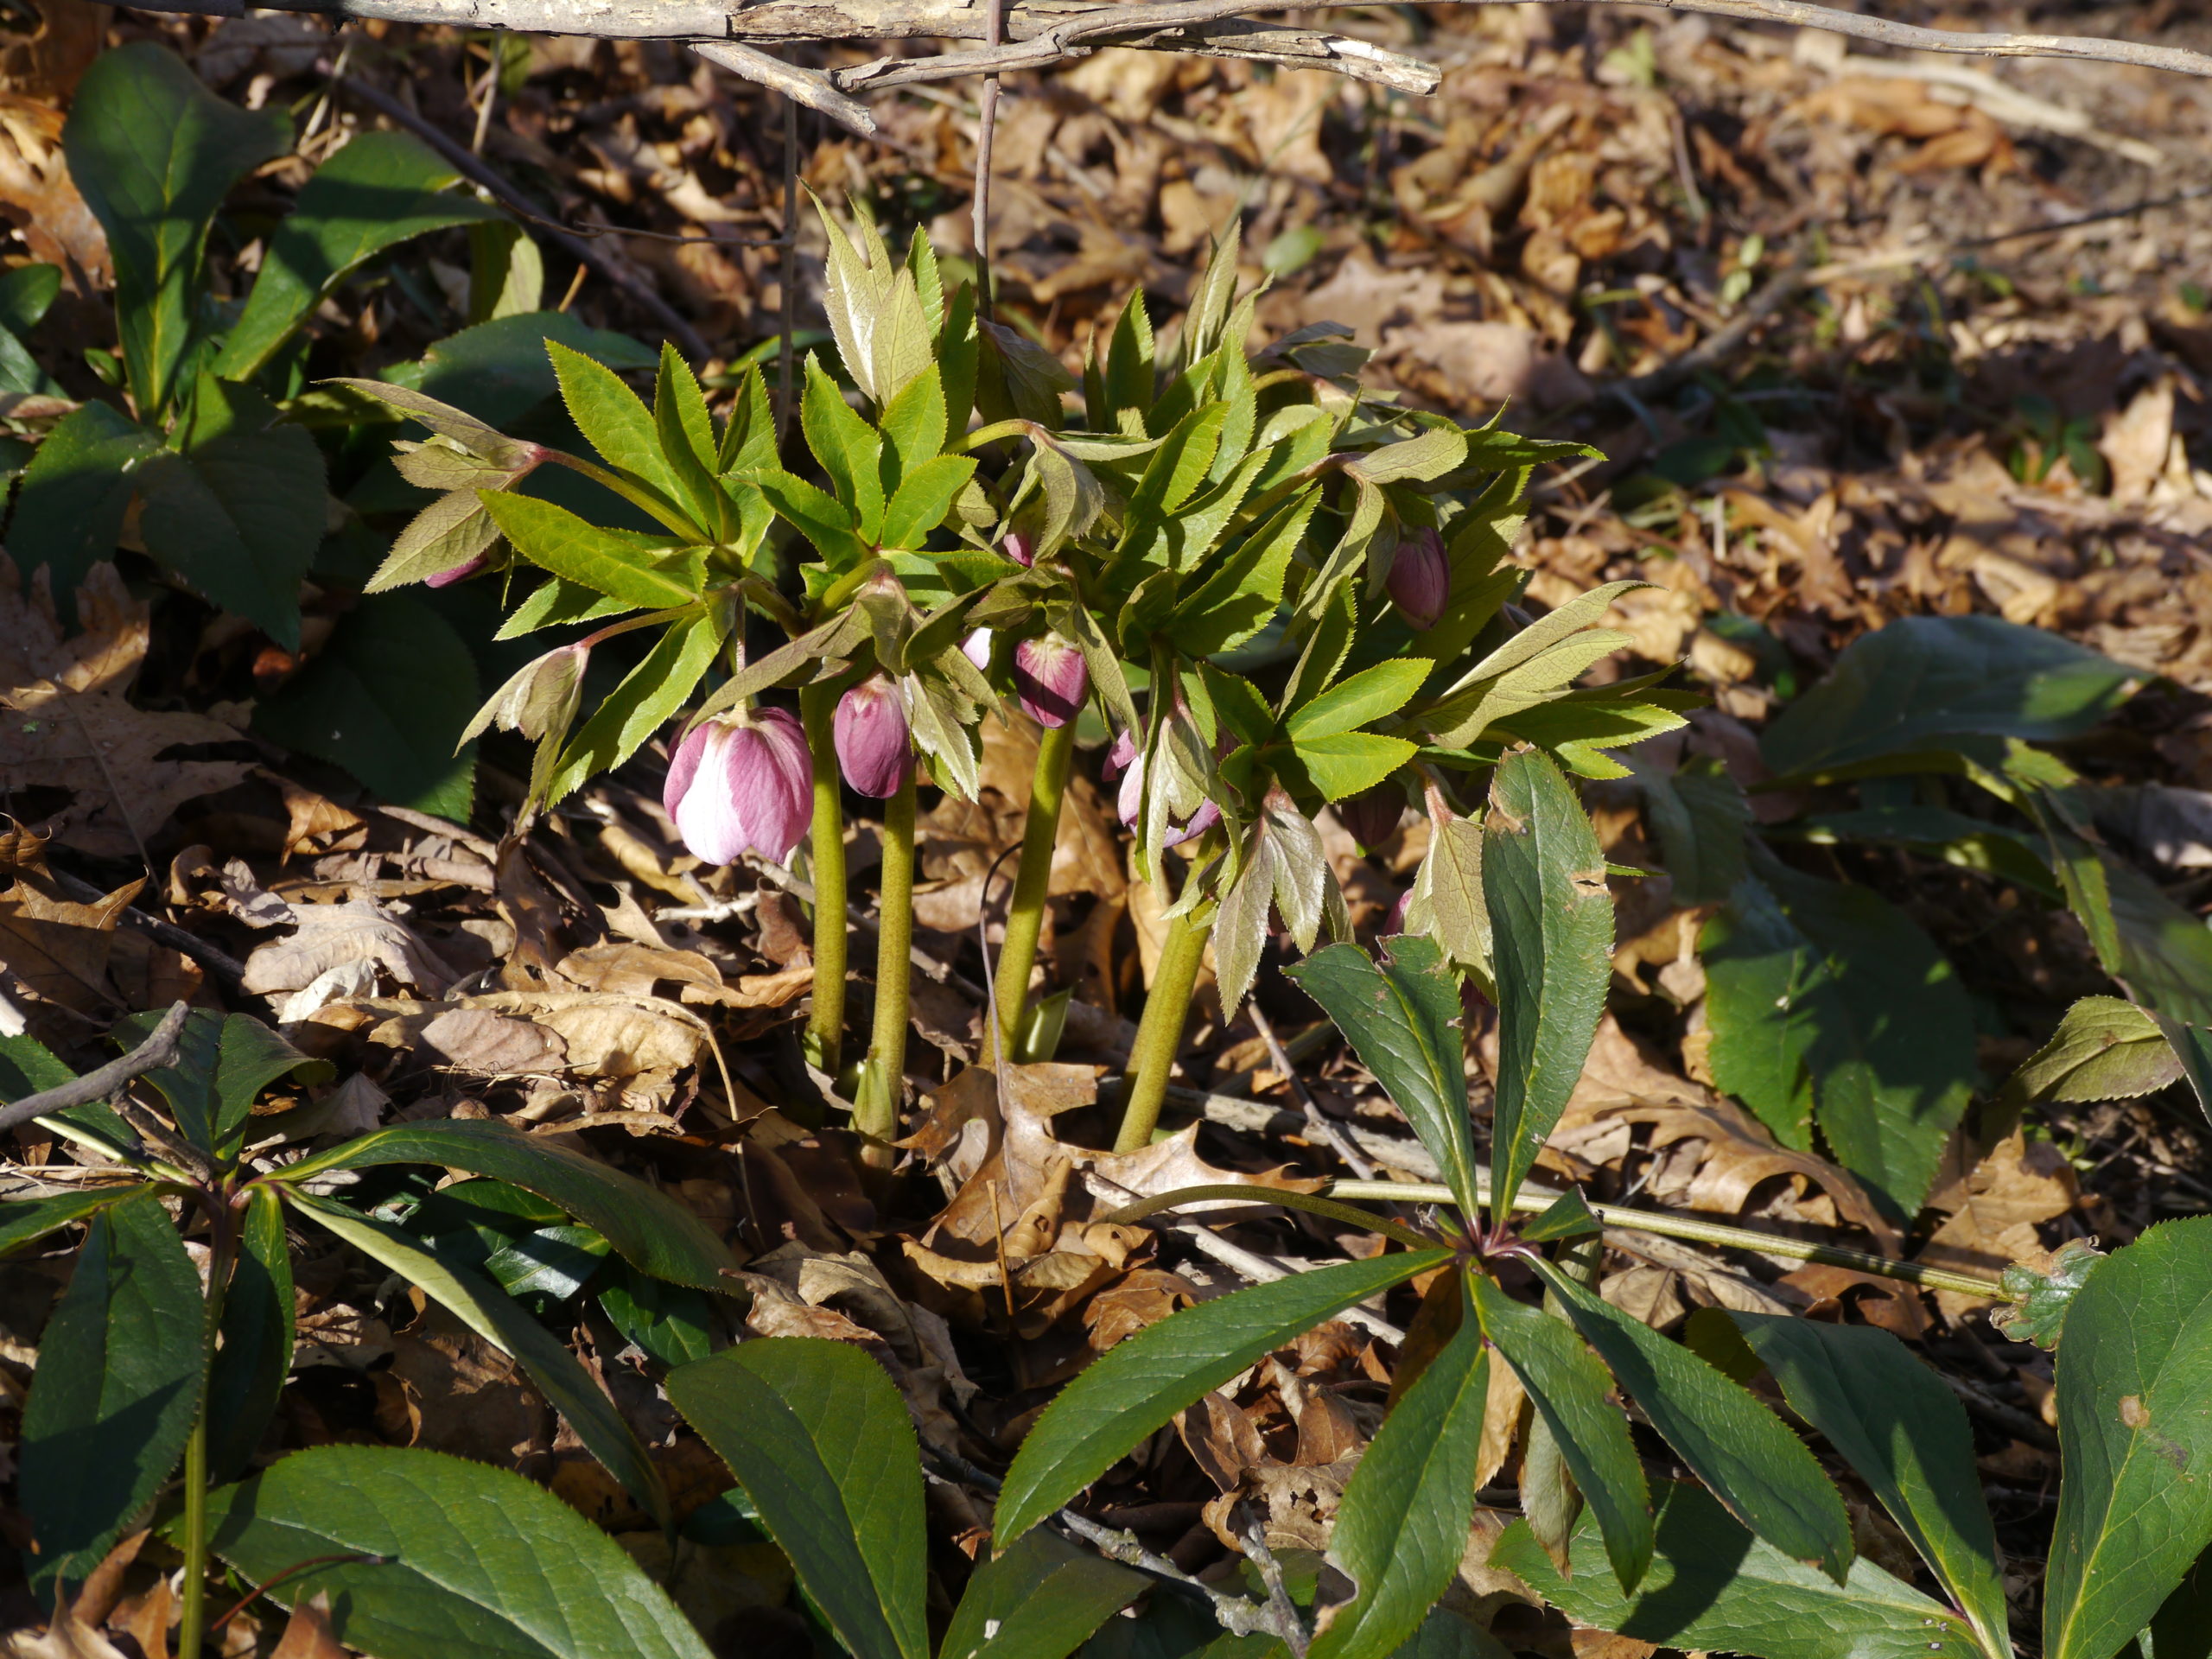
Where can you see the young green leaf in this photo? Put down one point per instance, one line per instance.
(1041, 1600)
(1403, 1021)
(673, 1324)
(1344, 764)
(612, 417)
(1551, 921)
(1140, 1383)
(1532, 667)
(383, 188)
(26, 1221)
(235, 505)
(1402, 1528)
(1239, 592)
(649, 695)
(849, 449)
(924, 496)
(819, 1438)
(1896, 1424)
(425, 1556)
(489, 1312)
(556, 539)
(1926, 682)
(153, 153)
(913, 428)
(2134, 1431)
(1569, 1388)
(222, 1063)
(686, 434)
(1366, 697)
(1714, 1586)
(387, 697)
(648, 1229)
(122, 1366)
(2105, 1048)
(255, 1353)
(1746, 1454)
(816, 514)
(1826, 1001)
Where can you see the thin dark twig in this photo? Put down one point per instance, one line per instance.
(216, 960)
(1288, 1625)
(1346, 1148)
(787, 279)
(157, 1050)
(615, 271)
(986, 132)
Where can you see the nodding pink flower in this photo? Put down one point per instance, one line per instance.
(1018, 548)
(1049, 680)
(1207, 815)
(976, 648)
(742, 783)
(872, 746)
(1120, 757)
(1396, 924)
(1130, 803)
(1421, 578)
(461, 572)
(1372, 814)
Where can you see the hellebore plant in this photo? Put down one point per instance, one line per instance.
(1276, 591)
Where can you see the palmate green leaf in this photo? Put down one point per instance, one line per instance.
(914, 427)
(1240, 592)
(1701, 815)
(2134, 1436)
(1568, 1388)
(1826, 1002)
(222, 1063)
(642, 704)
(235, 505)
(1551, 918)
(70, 506)
(1532, 667)
(1714, 1586)
(1748, 1457)
(1403, 1021)
(383, 188)
(648, 1229)
(816, 514)
(1041, 1600)
(847, 448)
(1140, 1383)
(255, 1354)
(924, 498)
(2105, 1048)
(493, 1315)
(438, 1556)
(121, 1370)
(1346, 763)
(1904, 1432)
(604, 561)
(1402, 1527)
(387, 698)
(1925, 682)
(1366, 697)
(613, 418)
(820, 1439)
(153, 153)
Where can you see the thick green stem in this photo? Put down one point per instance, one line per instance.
(826, 1027)
(1160, 1033)
(875, 1113)
(1024, 917)
(194, 1610)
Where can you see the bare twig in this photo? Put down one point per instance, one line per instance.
(216, 961)
(1282, 1611)
(157, 1050)
(987, 124)
(799, 85)
(787, 281)
(616, 270)
(1346, 1148)
(1234, 1614)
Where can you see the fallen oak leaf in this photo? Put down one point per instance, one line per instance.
(60, 949)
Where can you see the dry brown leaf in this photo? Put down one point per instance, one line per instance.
(454, 1392)
(67, 1637)
(492, 1045)
(61, 948)
(308, 1633)
(38, 197)
(638, 969)
(1994, 1211)
(66, 722)
(326, 936)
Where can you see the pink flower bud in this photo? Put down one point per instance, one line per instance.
(1396, 924)
(1372, 814)
(1203, 819)
(873, 747)
(461, 572)
(1120, 757)
(1130, 803)
(1421, 578)
(976, 648)
(742, 783)
(1049, 680)
(1018, 548)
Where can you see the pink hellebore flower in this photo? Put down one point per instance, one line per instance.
(873, 747)
(1018, 548)
(1420, 579)
(1130, 803)
(976, 648)
(742, 783)
(1049, 680)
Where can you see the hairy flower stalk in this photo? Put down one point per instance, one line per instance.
(1159, 1032)
(825, 1022)
(875, 1108)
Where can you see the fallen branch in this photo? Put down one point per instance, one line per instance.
(157, 1050)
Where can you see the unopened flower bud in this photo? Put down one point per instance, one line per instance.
(1207, 815)
(872, 746)
(1421, 578)
(976, 648)
(742, 783)
(1129, 801)
(542, 696)
(1396, 924)
(1018, 548)
(1372, 815)
(1049, 680)
(1120, 757)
